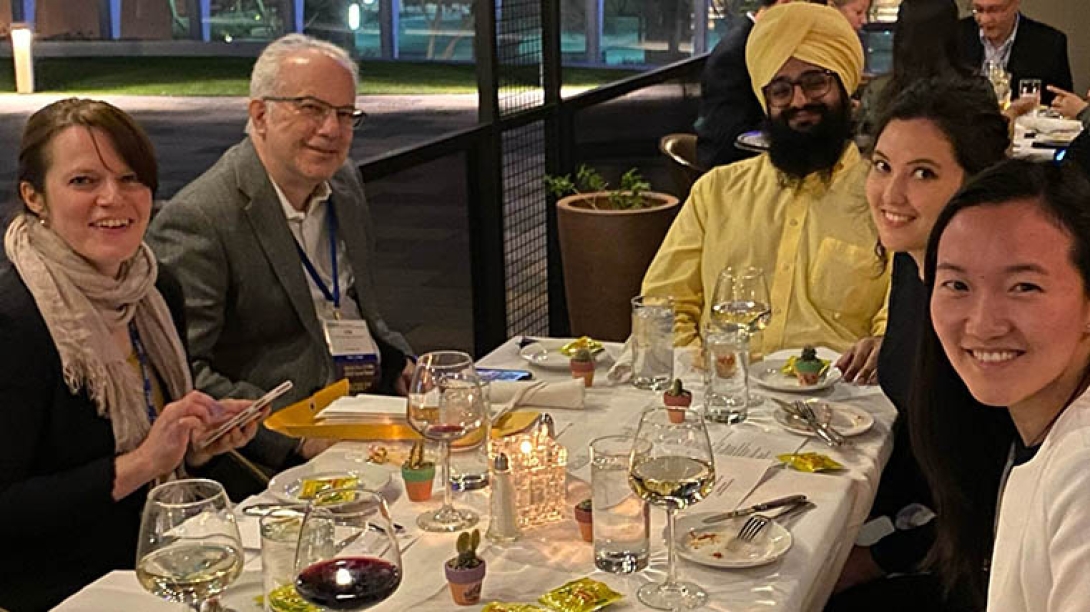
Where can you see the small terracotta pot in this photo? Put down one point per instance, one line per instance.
(584, 370)
(676, 405)
(418, 482)
(585, 518)
(465, 584)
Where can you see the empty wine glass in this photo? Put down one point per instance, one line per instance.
(347, 557)
(671, 466)
(446, 402)
(189, 548)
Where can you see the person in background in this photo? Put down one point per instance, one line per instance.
(1070, 105)
(1001, 419)
(1028, 49)
(925, 44)
(935, 135)
(728, 106)
(798, 212)
(273, 247)
(855, 11)
(97, 400)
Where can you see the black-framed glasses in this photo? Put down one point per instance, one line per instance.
(316, 110)
(814, 84)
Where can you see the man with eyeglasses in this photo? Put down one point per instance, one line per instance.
(998, 32)
(273, 246)
(798, 212)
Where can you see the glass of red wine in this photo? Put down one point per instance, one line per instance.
(447, 401)
(347, 557)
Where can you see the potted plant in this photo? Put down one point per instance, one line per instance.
(677, 399)
(608, 237)
(418, 473)
(585, 518)
(582, 365)
(465, 573)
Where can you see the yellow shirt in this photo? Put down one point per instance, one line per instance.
(815, 243)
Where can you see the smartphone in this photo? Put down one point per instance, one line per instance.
(492, 374)
(247, 416)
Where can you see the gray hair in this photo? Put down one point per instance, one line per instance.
(265, 77)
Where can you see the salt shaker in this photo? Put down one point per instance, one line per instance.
(504, 523)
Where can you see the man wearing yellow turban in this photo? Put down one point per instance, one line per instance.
(797, 212)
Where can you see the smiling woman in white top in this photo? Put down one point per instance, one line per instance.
(1008, 271)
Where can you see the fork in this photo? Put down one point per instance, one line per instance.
(753, 526)
(831, 436)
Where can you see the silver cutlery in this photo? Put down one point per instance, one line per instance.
(756, 523)
(761, 507)
(830, 435)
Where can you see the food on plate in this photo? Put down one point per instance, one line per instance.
(583, 595)
(313, 486)
(807, 367)
(569, 349)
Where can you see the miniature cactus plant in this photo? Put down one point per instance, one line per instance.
(582, 365)
(467, 550)
(416, 457)
(677, 399)
(418, 473)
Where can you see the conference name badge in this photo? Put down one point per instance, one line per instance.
(354, 353)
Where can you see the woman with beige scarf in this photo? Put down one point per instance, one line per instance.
(96, 400)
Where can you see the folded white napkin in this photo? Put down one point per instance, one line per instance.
(1049, 125)
(564, 394)
(364, 408)
(621, 372)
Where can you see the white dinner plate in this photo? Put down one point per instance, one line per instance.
(551, 358)
(286, 485)
(768, 375)
(845, 418)
(718, 545)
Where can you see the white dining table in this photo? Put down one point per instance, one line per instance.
(547, 557)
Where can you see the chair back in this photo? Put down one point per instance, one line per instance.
(680, 149)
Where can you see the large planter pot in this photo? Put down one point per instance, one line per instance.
(605, 254)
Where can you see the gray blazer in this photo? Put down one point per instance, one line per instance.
(251, 320)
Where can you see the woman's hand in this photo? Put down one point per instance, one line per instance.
(165, 446)
(235, 438)
(401, 385)
(860, 362)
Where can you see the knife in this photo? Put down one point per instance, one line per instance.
(761, 507)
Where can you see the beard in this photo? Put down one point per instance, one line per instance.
(800, 153)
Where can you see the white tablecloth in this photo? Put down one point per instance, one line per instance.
(547, 557)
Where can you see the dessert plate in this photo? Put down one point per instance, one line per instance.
(846, 419)
(768, 375)
(718, 545)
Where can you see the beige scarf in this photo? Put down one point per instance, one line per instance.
(81, 308)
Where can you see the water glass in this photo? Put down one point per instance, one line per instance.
(621, 519)
(652, 342)
(726, 373)
(1030, 88)
(279, 537)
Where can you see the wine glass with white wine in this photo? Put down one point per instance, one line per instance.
(672, 466)
(741, 299)
(189, 549)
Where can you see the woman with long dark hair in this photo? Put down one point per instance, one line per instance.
(936, 135)
(1007, 270)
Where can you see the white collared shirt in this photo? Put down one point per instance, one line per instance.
(999, 53)
(311, 230)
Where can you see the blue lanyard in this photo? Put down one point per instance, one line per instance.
(142, 358)
(334, 294)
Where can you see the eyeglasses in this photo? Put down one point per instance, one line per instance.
(814, 84)
(991, 10)
(317, 110)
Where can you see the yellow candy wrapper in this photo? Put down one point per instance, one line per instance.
(313, 486)
(499, 606)
(572, 347)
(788, 368)
(583, 595)
(284, 598)
(809, 462)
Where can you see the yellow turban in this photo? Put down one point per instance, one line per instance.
(813, 33)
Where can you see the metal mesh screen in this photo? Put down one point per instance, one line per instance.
(519, 59)
(518, 51)
(525, 236)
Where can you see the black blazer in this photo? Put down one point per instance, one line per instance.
(1039, 52)
(59, 524)
(728, 106)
